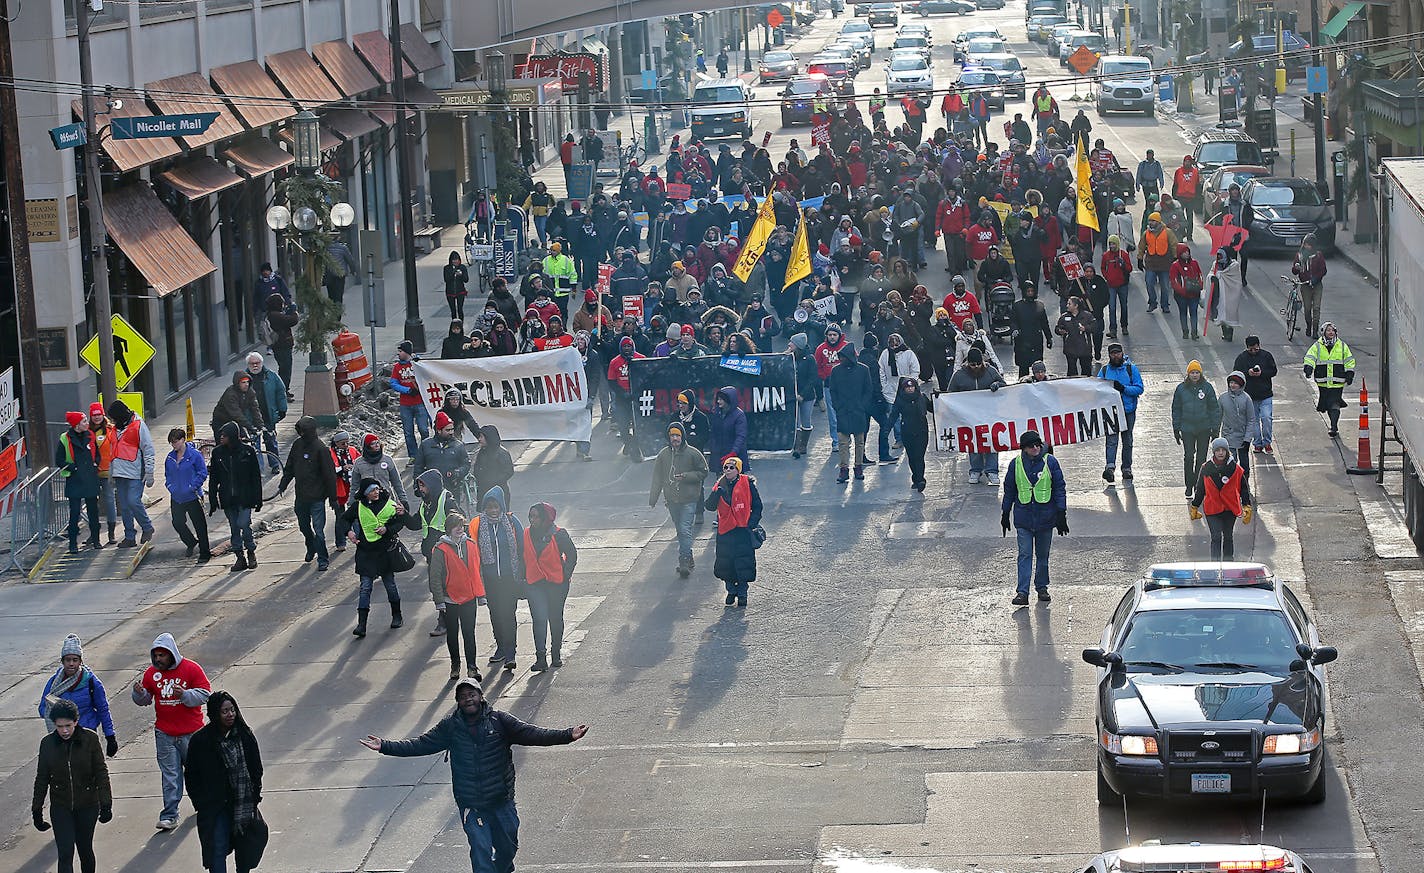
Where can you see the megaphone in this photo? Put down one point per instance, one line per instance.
(889, 234)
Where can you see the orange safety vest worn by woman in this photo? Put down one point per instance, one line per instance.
(1222, 496)
(547, 564)
(463, 582)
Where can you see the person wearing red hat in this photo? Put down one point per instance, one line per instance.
(77, 458)
(375, 464)
(593, 316)
(622, 389)
(444, 452)
(103, 440)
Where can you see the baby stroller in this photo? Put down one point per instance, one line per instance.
(1001, 311)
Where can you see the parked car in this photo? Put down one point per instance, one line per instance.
(986, 81)
(1126, 83)
(908, 73)
(1297, 51)
(991, 4)
(1217, 148)
(798, 98)
(1284, 210)
(945, 7)
(1009, 68)
(1217, 184)
(778, 65)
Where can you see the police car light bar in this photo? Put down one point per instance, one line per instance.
(1187, 575)
(1194, 857)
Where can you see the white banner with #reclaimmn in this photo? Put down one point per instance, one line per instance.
(1063, 411)
(535, 396)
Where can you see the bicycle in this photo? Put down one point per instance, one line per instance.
(1293, 306)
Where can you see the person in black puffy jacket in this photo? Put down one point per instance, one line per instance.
(479, 741)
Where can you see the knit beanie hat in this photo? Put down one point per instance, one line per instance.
(74, 418)
(1194, 365)
(369, 440)
(442, 420)
(71, 646)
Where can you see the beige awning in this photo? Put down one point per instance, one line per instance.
(153, 240)
(200, 177)
(375, 48)
(421, 54)
(302, 79)
(349, 123)
(181, 95)
(345, 69)
(258, 157)
(254, 96)
(129, 154)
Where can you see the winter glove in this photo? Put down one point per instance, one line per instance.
(106, 814)
(1349, 376)
(1062, 523)
(40, 824)
(482, 601)
(213, 510)
(1004, 522)
(1196, 514)
(1247, 513)
(994, 386)
(1177, 435)
(1050, 342)
(148, 482)
(1309, 371)
(1119, 386)
(111, 745)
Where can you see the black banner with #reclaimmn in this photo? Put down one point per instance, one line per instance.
(768, 396)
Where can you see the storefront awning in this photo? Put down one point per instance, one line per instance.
(326, 140)
(258, 157)
(254, 96)
(375, 48)
(345, 69)
(387, 117)
(419, 96)
(130, 154)
(421, 54)
(200, 177)
(349, 123)
(302, 79)
(149, 236)
(180, 95)
(1336, 25)
(1385, 57)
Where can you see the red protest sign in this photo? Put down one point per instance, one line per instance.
(605, 279)
(1072, 267)
(633, 305)
(679, 191)
(766, 139)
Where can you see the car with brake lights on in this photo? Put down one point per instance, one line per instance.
(778, 65)
(798, 101)
(984, 81)
(1210, 683)
(1154, 856)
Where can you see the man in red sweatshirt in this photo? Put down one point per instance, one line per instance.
(178, 689)
(414, 415)
(826, 356)
(951, 218)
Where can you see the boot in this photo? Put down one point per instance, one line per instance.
(683, 570)
(540, 665)
(844, 475)
(252, 558)
(454, 669)
(360, 630)
(803, 439)
(439, 630)
(555, 660)
(859, 472)
(111, 534)
(396, 619)
(240, 564)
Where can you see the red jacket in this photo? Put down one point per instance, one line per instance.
(951, 219)
(858, 174)
(566, 153)
(960, 308)
(618, 371)
(979, 238)
(1186, 182)
(1116, 268)
(1179, 274)
(827, 356)
(404, 373)
(1052, 233)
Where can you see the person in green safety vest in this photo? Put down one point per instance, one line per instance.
(1332, 365)
(376, 521)
(77, 458)
(1036, 494)
(562, 274)
(436, 505)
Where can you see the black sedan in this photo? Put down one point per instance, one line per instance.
(945, 7)
(1284, 210)
(1210, 682)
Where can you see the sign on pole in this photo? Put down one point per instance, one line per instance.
(1316, 81)
(9, 403)
(1072, 267)
(68, 136)
(633, 305)
(1226, 103)
(131, 352)
(144, 126)
(580, 180)
(1082, 60)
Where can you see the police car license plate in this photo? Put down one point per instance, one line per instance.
(1211, 783)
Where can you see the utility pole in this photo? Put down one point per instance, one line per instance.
(94, 201)
(32, 385)
(414, 326)
(1318, 115)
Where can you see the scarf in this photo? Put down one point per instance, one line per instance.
(59, 686)
(495, 537)
(244, 801)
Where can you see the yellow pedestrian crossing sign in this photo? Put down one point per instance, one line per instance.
(131, 352)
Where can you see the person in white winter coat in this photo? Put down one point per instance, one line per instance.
(1224, 287)
(1119, 222)
(975, 338)
(896, 363)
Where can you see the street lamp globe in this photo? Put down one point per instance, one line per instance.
(342, 215)
(304, 219)
(494, 63)
(279, 218)
(306, 141)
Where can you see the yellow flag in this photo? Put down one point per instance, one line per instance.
(1087, 208)
(755, 241)
(798, 266)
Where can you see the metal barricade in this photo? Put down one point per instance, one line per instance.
(38, 519)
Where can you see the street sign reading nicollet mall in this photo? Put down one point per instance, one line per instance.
(144, 126)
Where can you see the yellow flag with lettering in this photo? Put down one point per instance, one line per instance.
(798, 266)
(1087, 208)
(755, 242)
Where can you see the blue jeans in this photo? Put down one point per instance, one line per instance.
(984, 463)
(222, 841)
(240, 522)
(311, 520)
(1158, 285)
(1263, 415)
(130, 497)
(269, 454)
(682, 515)
(540, 222)
(1033, 558)
(493, 836)
(803, 413)
(363, 601)
(1187, 313)
(831, 418)
(1126, 444)
(172, 752)
(1117, 299)
(546, 610)
(413, 417)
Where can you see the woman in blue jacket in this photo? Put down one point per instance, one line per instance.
(77, 683)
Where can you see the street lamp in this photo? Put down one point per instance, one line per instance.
(306, 141)
(496, 76)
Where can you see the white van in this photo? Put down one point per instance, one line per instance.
(1125, 83)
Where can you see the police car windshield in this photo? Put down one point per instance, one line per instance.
(1211, 639)
(806, 86)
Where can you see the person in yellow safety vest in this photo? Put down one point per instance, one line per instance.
(1044, 108)
(436, 505)
(820, 105)
(1035, 492)
(877, 107)
(376, 521)
(562, 274)
(1332, 365)
(77, 458)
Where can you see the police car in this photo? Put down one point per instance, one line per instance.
(1154, 857)
(1210, 682)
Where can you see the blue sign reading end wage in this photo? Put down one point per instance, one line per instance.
(141, 127)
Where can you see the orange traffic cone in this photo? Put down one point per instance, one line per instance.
(1364, 462)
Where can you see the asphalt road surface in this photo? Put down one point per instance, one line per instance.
(879, 706)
